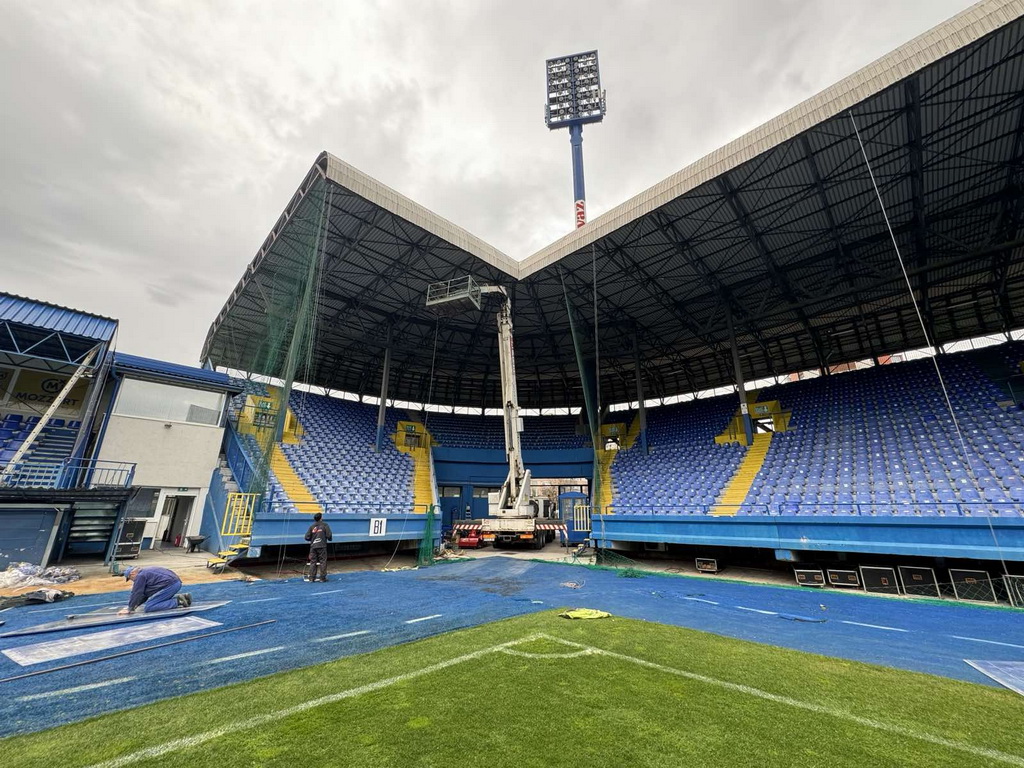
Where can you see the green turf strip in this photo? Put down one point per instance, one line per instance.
(591, 710)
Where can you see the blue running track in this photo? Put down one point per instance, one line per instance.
(396, 607)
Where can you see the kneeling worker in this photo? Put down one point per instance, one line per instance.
(154, 589)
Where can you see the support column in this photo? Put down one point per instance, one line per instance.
(741, 387)
(642, 415)
(383, 395)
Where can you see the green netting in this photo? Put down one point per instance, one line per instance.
(426, 554)
(289, 286)
(593, 417)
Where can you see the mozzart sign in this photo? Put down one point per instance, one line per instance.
(35, 388)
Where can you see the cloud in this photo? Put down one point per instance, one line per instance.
(149, 146)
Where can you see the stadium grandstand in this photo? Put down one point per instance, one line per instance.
(879, 221)
(800, 359)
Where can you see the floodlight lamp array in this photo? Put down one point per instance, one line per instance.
(574, 90)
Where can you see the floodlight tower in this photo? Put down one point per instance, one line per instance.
(574, 99)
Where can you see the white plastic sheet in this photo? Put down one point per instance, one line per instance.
(65, 647)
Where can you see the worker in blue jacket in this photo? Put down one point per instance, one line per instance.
(154, 589)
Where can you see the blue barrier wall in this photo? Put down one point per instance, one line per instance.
(271, 529)
(469, 467)
(213, 514)
(24, 534)
(959, 537)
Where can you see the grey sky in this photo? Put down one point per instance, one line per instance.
(147, 148)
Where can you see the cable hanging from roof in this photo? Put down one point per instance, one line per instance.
(927, 338)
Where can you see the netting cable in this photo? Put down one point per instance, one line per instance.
(927, 338)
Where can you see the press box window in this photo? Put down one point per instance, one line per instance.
(150, 400)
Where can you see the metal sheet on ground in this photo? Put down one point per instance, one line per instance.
(1007, 673)
(64, 648)
(109, 616)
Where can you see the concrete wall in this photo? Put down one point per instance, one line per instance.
(179, 455)
(178, 459)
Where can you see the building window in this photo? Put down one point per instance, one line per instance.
(481, 493)
(451, 491)
(150, 400)
(143, 502)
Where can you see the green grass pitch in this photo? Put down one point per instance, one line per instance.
(543, 691)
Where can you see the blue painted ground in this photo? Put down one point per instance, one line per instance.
(935, 638)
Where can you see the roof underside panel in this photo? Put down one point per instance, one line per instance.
(791, 244)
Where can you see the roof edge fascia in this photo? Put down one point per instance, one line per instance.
(341, 173)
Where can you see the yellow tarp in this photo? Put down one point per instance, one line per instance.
(584, 613)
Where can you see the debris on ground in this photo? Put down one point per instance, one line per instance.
(21, 575)
(573, 584)
(44, 595)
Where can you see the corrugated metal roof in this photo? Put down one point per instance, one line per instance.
(174, 372)
(40, 314)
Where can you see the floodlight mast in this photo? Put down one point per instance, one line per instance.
(574, 98)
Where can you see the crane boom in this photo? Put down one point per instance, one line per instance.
(514, 497)
(514, 516)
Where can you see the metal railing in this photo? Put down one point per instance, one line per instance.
(238, 459)
(833, 509)
(277, 504)
(581, 518)
(68, 474)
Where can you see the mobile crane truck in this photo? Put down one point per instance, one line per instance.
(515, 515)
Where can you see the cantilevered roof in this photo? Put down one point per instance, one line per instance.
(173, 373)
(779, 232)
(52, 317)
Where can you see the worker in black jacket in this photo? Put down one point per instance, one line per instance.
(318, 535)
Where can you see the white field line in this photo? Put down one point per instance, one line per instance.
(424, 618)
(757, 610)
(700, 600)
(76, 689)
(329, 592)
(260, 600)
(525, 655)
(873, 626)
(899, 730)
(188, 742)
(246, 655)
(341, 637)
(989, 642)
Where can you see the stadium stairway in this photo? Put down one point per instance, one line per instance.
(291, 483)
(236, 527)
(419, 450)
(606, 491)
(628, 437)
(735, 493)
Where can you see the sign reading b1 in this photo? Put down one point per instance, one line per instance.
(378, 526)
